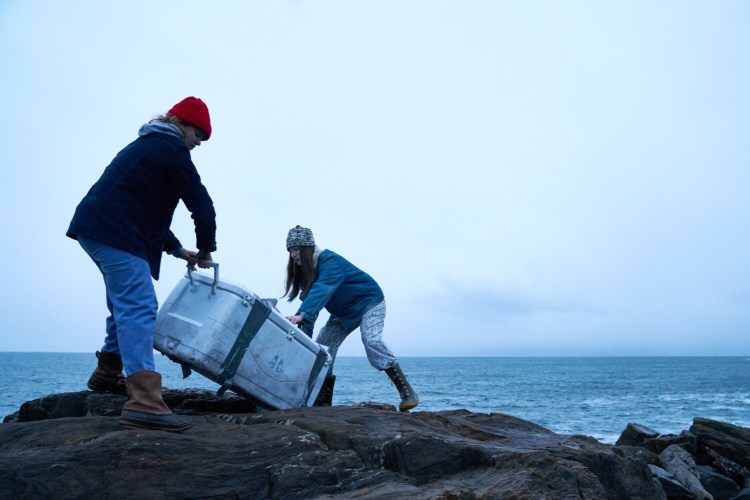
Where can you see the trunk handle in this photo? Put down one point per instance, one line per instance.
(215, 266)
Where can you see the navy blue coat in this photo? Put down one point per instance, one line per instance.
(130, 207)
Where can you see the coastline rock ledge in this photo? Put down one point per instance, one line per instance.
(71, 446)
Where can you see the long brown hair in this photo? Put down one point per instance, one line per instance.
(299, 279)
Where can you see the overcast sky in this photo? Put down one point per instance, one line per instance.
(522, 178)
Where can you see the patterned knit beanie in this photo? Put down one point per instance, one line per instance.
(299, 237)
(195, 112)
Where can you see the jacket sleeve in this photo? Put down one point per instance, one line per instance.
(171, 242)
(197, 200)
(330, 278)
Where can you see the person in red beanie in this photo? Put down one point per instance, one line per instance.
(123, 225)
(193, 112)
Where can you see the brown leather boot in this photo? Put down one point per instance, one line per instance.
(325, 396)
(409, 398)
(107, 376)
(145, 409)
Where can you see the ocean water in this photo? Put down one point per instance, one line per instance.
(595, 396)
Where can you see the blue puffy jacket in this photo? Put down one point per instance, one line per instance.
(130, 207)
(343, 289)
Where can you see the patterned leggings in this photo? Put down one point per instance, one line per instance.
(332, 335)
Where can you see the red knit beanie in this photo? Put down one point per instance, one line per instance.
(195, 112)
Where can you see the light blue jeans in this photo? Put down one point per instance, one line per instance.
(132, 305)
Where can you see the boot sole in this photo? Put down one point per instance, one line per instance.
(132, 419)
(131, 425)
(408, 406)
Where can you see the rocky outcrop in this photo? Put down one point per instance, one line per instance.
(709, 461)
(636, 434)
(680, 464)
(71, 446)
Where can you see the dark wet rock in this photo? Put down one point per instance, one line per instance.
(658, 444)
(727, 440)
(645, 437)
(726, 467)
(725, 448)
(89, 403)
(74, 444)
(637, 453)
(742, 495)
(673, 489)
(708, 461)
(635, 434)
(680, 464)
(718, 485)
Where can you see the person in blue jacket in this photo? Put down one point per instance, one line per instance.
(322, 278)
(123, 225)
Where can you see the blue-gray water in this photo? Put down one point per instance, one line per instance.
(593, 396)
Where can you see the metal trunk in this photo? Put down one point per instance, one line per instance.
(240, 341)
